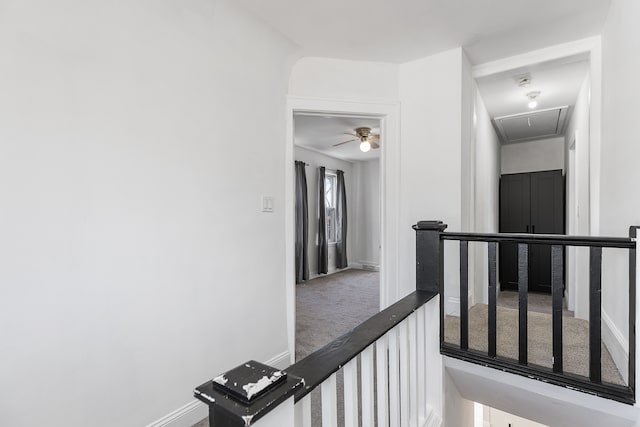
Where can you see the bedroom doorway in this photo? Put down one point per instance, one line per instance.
(359, 122)
(338, 229)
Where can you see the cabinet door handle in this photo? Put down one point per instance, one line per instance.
(533, 229)
(527, 228)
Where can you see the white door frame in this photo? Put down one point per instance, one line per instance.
(389, 115)
(593, 49)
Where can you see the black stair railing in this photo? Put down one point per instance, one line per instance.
(430, 251)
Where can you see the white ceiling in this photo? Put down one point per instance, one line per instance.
(403, 30)
(557, 81)
(319, 133)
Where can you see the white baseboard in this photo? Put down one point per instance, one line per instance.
(352, 265)
(196, 410)
(617, 345)
(281, 361)
(365, 265)
(453, 306)
(433, 419)
(186, 416)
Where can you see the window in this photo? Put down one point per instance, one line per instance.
(330, 197)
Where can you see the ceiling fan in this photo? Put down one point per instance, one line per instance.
(366, 138)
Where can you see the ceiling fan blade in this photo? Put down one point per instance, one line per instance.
(374, 145)
(350, 133)
(340, 143)
(376, 137)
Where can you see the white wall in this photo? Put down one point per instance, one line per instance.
(577, 200)
(459, 412)
(487, 191)
(344, 79)
(498, 418)
(130, 184)
(315, 160)
(620, 151)
(431, 97)
(533, 156)
(366, 209)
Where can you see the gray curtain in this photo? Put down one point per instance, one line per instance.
(323, 248)
(341, 222)
(302, 224)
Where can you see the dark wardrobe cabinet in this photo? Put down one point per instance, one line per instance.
(530, 203)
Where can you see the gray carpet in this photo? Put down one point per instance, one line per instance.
(540, 303)
(327, 307)
(575, 346)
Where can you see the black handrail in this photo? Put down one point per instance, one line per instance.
(321, 364)
(543, 239)
(302, 377)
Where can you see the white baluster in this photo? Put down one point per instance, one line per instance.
(394, 378)
(351, 393)
(303, 412)
(366, 375)
(282, 416)
(421, 369)
(382, 373)
(329, 402)
(413, 370)
(404, 373)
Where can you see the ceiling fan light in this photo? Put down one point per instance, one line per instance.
(365, 146)
(533, 104)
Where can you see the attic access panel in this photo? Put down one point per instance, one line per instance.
(531, 126)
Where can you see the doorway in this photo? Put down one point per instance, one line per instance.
(388, 117)
(534, 108)
(338, 174)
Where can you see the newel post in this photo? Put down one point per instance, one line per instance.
(429, 256)
(251, 394)
(430, 278)
(430, 262)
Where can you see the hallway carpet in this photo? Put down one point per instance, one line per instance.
(326, 308)
(329, 306)
(575, 333)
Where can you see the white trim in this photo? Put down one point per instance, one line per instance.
(388, 111)
(433, 419)
(280, 361)
(536, 56)
(196, 411)
(617, 345)
(453, 306)
(364, 265)
(185, 416)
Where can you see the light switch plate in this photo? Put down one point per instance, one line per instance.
(267, 204)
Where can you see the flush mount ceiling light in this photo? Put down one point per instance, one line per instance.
(532, 99)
